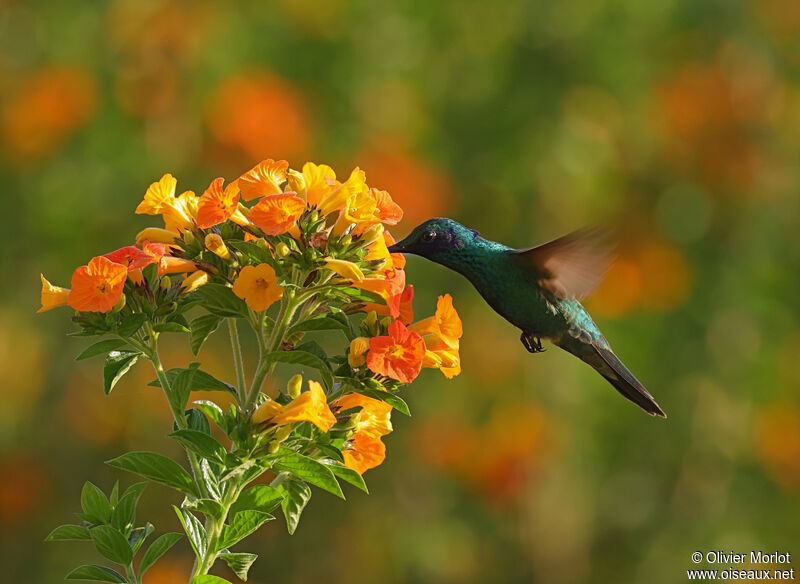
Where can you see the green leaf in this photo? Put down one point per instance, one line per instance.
(208, 578)
(244, 523)
(200, 381)
(320, 323)
(131, 324)
(296, 495)
(362, 295)
(203, 444)
(111, 544)
(346, 474)
(239, 562)
(201, 329)
(170, 327)
(95, 573)
(68, 532)
(393, 400)
(113, 498)
(208, 507)
(258, 498)
(220, 300)
(150, 274)
(100, 347)
(304, 358)
(195, 420)
(180, 386)
(213, 411)
(94, 503)
(138, 535)
(118, 363)
(311, 471)
(157, 468)
(123, 516)
(194, 531)
(157, 549)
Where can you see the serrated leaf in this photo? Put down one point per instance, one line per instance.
(170, 327)
(118, 363)
(239, 562)
(68, 532)
(201, 381)
(310, 471)
(111, 544)
(347, 474)
(305, 358)
(296, 495)
(258, 498)
(203, 444)
(94, 504)
(220, 300)
(393, 400)
(201, 329)
(194, 531)
(95, 573)
(158, 548)
(131, 324)
(158, 468)
(243, 524)
(100, 347)
(123, 516)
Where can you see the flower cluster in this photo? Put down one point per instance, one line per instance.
(291, 253)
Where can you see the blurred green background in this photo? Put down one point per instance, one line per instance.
(677, 120)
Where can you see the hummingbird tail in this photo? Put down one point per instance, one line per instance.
(605, 362)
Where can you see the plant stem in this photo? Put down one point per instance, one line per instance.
(236, 345)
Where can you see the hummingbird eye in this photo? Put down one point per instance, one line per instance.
(428, 236)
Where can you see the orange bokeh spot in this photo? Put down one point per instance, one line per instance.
(666, 277)
(46, 108)
(619, 291)
(259, 113)
(778, 443)
(19, 497)
(424, 191)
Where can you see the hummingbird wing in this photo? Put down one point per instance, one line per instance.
(572, 265)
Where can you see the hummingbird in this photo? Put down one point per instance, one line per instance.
(536, 289)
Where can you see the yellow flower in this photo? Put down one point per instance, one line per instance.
(358, 211)
(172, 265)
(156, 235)
(180, 215)
(444, 326)
(264, 179)
(345, 269)
(318, 181)
(364, 451)
(358, 352)
(310, 406)
(375, 417)
(215, 245)
(258, 286)
(194, 281)
(52, 296)
(337, 198)
(444, 359)
(158, 195)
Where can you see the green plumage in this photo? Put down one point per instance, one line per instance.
(531, 289)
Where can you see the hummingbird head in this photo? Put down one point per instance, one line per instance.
(437, 239)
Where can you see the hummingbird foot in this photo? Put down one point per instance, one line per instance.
(532, 343)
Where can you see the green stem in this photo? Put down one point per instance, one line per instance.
(213, 532)
(236, 346)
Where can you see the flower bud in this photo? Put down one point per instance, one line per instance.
(346, 240)
(262, 243)
(283, 432)
(215, 245)
(120, 303)
(273, 447)
(314, 216)
(371, 322)
(358, 352)
(165, 283)
(294, 386)
(189, 238)
(156, 235)
(166, 309)
(372, 235)
(282, 250)
(386, 321)
(194, 281)
(345, 269)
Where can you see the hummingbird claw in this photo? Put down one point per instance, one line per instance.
(532, 343)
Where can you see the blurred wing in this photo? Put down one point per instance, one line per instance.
(573, 265)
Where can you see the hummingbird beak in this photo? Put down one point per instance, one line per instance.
(399, 247)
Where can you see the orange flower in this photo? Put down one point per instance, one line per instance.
(217, 205)
(443, 327)
(258, 286)
(398, 355)
(358, 352)
(52, 296)
(132, 257)
(337, 198)
(97, 287)
(359, 211)
(319, 180)
(172, 265)
(375, 417)
(390, 287)
(310, 406)
(278, 214)
(363, 452)
(264, 179)
(398, 259)
(160, 199)
(180, 215)
(386, 210)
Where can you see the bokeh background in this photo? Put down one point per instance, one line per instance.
(677, 120)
